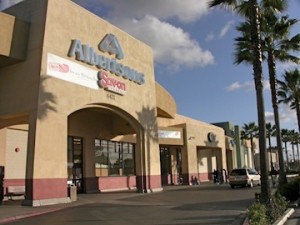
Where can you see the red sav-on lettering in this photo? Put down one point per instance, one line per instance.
(111, 84)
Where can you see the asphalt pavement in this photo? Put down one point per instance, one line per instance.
(12, 210)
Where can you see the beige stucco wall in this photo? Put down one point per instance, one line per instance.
(45, 102)
(166, 104)
(6, 33)
(16, 160)
(13, 36)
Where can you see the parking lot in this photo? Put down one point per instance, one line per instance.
(203, 204)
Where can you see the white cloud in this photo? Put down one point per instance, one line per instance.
(287, 117)
(148, 21)
(210, 37)
(226, 28)
(186, 11)
(246, 86)
(172, 46)
(237, 86)
(282, 67)
(7, 3)
(269, 117)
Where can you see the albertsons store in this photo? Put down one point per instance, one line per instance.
(79, 105)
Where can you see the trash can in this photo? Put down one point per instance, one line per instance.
(72, 189)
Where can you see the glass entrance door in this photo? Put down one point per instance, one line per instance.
(75, 166)
(164, 165)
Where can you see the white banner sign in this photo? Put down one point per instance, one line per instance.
(73, 72)
(169, 134)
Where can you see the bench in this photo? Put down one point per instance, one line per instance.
(15, 191)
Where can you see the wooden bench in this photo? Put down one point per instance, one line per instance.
(15, 191)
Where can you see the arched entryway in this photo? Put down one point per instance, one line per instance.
(103, 149)
(209, 159)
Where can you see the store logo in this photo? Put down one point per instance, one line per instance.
(60, 67)
(87, 54)
(111, 45)
(211, 137)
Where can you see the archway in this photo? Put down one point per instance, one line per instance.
(103, 149)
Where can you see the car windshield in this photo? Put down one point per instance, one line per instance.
(252, 172)
(240, 172)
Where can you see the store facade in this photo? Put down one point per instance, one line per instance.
(79, 105)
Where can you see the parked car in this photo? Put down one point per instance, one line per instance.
(244, 177)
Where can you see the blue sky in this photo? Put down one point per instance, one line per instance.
(193, 49)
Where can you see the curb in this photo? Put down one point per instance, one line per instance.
(284, 218)
(18, 217)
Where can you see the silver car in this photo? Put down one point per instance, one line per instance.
(244, 177)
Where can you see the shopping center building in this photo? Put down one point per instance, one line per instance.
(79, 105)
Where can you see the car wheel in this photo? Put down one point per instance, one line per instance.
(232, 186)
(251, 184)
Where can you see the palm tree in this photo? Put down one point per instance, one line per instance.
(271, 132)
(285, 139)
(252, 14)
(277, 45)
(293, 140)
(289, 91)
(297, 142)
(249, 132)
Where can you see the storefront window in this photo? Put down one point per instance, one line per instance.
(114, 158)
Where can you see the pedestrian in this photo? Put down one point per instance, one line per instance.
(221, 177)
(215, 176)
(273, 174)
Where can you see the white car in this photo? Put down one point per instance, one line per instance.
(244, 177)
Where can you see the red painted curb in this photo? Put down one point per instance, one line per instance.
(18, 217)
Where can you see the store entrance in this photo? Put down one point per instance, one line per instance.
(75, 166)
(165, 165)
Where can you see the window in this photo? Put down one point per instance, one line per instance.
(114, 158)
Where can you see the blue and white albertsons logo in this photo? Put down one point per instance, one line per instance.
(111, 45)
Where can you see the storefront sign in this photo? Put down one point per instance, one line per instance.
(169, 134)
(110, 44)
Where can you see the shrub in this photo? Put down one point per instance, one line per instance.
(276, 207)
(257, 214)
(260, 214)
(290, 190)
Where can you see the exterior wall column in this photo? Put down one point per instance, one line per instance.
(191, 162)
(147, 160)
(46, 175)
(2, 146)
(90, 181)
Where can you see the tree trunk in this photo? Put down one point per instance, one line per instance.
(252, 153)
(273, 84)
(298, 113)
(258, 78)
(287, 157)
